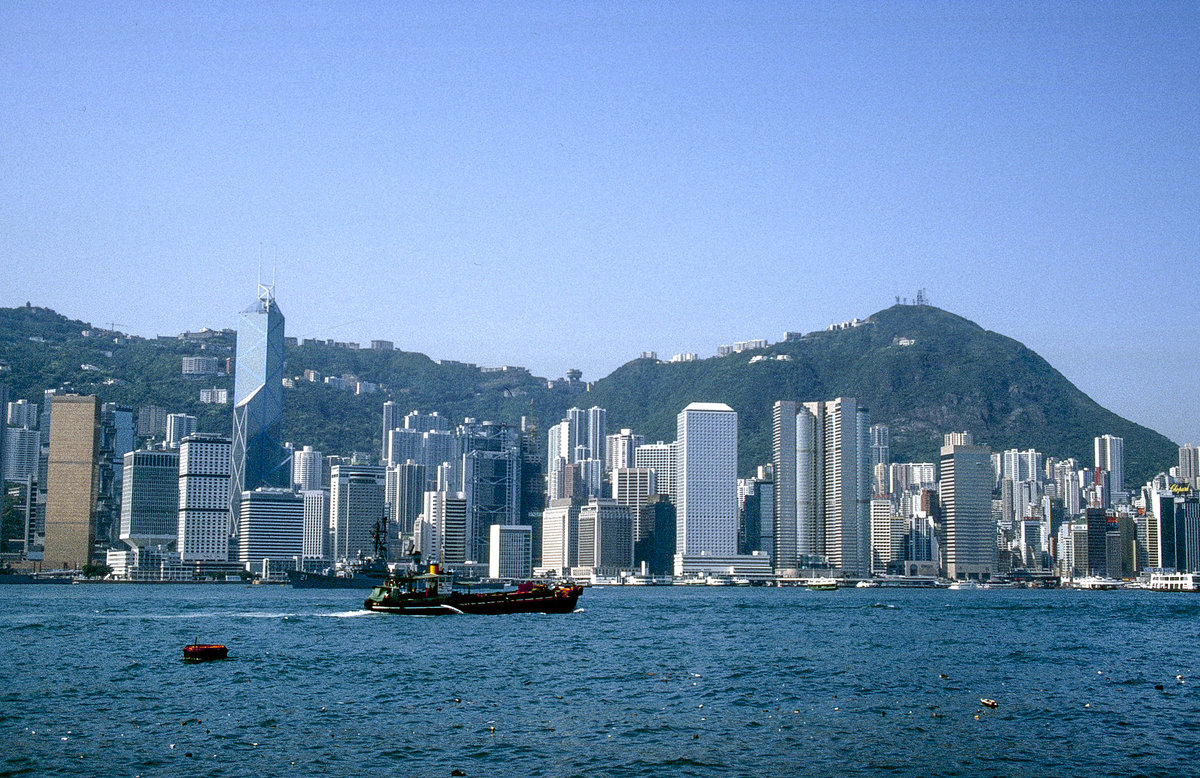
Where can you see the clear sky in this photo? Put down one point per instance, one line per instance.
(567, 184)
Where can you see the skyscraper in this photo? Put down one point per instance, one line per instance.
(204, 498)
(270, 528)
(969, 532)
(150, 498)
(308, 469)
(356, 507)
(258, 457)
(73, 479)
(823, 484)
(1189, 465)
(389, 424)
(662, 458)
(1110, 456)
(707, 487)
(179, 426)
(619, 449)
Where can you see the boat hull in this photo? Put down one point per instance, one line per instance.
(305, 580)
(560, 600)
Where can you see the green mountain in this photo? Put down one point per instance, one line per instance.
(919, 369)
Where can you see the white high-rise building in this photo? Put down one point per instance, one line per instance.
(447, 513)
(560, 535)
(307, 467)
(619, 450)
(1110, 456)
(316, 524)
(204, 464)
(510, 551)
(662, 458)
(270, 527)
(179, 426)
(597, 421)
(707, 468)
(356, 508)
(966, 498)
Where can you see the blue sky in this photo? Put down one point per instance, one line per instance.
(567, 184)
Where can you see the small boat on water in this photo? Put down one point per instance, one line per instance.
(434, 594)
(204, 652)
(822, 584)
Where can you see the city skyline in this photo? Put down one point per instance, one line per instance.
(1028, 166)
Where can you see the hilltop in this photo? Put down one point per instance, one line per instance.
(921, 370)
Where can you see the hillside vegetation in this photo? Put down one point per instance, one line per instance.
(921, 370)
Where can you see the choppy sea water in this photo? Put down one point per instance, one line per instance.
(641, 681)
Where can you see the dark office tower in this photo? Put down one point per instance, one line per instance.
(656, 547)
(1097, 542)
(258, 455)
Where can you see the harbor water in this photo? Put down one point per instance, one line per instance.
(654, 681)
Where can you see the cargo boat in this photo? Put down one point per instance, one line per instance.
(434, 594)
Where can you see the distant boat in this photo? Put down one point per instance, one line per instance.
(866, 585)
(822, 584)
(963, 585)
(1095, 582)
(1174, 582)
(368, 575)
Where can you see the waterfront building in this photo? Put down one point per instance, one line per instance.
(72, 481)
(887, 535)
(258, 457)
(510, 551)
(356, 508)
(752, 567)
(823, 484)
(179, 426)
(203, 528)
(969, 531)
(654, 549)
(316, 524)
(1173, 537)
(560, 535)
(308, 469)
(270, 529)
(150, 498)
(707, 487)
(605, 536)
(1110, 456)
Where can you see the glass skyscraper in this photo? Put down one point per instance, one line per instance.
(258, 456)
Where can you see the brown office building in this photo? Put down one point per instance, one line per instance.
(71, 481)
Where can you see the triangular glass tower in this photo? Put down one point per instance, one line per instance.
(259, 457)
